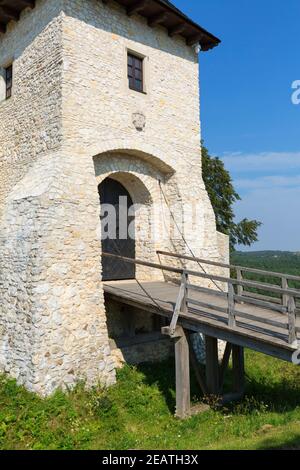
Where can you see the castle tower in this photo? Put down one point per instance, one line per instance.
(96, 98)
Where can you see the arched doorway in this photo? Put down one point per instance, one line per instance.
(117, 240)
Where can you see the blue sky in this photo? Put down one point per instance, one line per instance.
(248, 118)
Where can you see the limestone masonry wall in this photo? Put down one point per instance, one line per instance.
(70, 123)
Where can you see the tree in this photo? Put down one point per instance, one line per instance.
(222, 194)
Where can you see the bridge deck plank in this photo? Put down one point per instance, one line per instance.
(249, 333)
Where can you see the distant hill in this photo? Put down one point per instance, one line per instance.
(280, 261)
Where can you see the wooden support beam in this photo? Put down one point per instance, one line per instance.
(157, 19)
(138, 6)
(212, 365)
(238, 369)
(224, 365)
(178, 29)
(194, 39)
(183, 398)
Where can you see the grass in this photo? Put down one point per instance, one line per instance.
(137, 413)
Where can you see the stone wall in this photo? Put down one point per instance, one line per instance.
(69, 124)
(30, 121)
(95, 81)
(223, 244)
(52, 325)
(153, 351)
(135, 335)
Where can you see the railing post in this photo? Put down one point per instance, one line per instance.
(185, 281)
(292, 321)
(239, 276)
(285, 286)
(182, 361)
(231, 306)
(181, 304)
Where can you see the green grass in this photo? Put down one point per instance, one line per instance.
(137, 413)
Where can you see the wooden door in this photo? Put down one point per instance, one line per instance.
(110, 192)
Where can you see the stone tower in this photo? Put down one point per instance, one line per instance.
(89, 90)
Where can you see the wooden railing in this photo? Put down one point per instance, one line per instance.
(287, 296)
(234, 295)
(239, 274)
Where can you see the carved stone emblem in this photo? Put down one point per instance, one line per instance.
(139, 121)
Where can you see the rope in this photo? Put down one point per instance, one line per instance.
(137, 281)
(185, 242)
(184, 239)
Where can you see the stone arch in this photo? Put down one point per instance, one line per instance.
(141, 179)
(133, 147)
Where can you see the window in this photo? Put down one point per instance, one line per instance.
(135, 73)
(8, 81)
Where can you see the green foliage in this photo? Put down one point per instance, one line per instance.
(276, 261)
(222, 194)
(280, 261)
(137, 413)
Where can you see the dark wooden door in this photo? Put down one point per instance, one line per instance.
(121, 244)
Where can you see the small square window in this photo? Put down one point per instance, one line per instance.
(135, 72)
(8, 81)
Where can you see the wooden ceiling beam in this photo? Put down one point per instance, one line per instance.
(9, 12)
(194, 39)
(157, 19)
(178, 29)
(136, 7)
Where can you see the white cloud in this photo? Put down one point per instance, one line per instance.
(269, 183)
(262, 162)
(278, 210)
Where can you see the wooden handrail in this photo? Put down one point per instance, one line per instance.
(213, 277)
(181, 304)
(183, 300)
(231, 266)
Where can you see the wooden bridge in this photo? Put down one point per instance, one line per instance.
(263, 316)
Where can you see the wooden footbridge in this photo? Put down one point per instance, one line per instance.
(263, 316)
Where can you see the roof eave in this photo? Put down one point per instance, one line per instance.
(157, 12)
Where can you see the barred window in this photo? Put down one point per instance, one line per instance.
(135, 73)
(8, 81)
